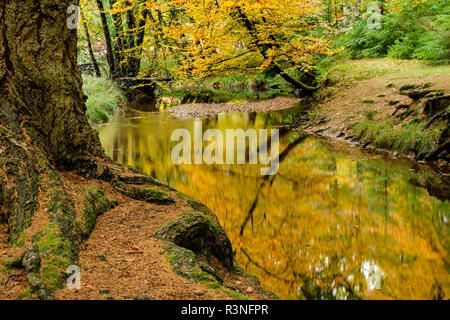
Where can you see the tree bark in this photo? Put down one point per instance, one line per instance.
(131, 40)
(140, 39)
(91, 52)
(40, 85)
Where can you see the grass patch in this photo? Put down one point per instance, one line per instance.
(103, 98)
(404, 138)
(339, 70)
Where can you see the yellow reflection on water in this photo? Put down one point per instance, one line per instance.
(334, 223)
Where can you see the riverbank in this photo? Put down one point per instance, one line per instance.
(400, 107)
(205, 110)
(395, 105)
(332, 222)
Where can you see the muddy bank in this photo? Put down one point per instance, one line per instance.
(205, 110)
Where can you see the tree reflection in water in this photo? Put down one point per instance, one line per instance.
(334, 223)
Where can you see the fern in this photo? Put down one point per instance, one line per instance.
(416, 31)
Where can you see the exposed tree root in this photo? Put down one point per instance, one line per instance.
(62, 215)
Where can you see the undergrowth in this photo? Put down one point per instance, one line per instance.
(417, 30)
(104, 97)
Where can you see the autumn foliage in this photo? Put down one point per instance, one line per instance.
(200, 38)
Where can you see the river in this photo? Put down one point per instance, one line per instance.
(335, 222)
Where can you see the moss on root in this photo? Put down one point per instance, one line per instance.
(96, 204)
(197, 232)
(151, 193)
(194, 237)
(57, 254)
(57, 244)
(235, 295)
(198, 206)
(186, 264)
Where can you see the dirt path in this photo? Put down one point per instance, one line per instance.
(122, 260)
(205, 110)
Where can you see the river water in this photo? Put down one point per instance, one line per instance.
(335, 222)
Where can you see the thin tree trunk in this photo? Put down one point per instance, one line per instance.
(119, 42)
(140, 39)
(131, 40)
(239, 15)
(109, 47)
(91, 52)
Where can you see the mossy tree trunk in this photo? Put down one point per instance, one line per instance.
(41, 87)
(43, 128)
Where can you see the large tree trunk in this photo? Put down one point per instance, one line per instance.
(41, 87)
(43, 127)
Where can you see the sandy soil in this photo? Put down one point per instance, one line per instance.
(204, 110)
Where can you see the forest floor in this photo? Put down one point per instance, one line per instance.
(123, 260)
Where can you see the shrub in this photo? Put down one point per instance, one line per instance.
(103, 98)
(419, 31)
